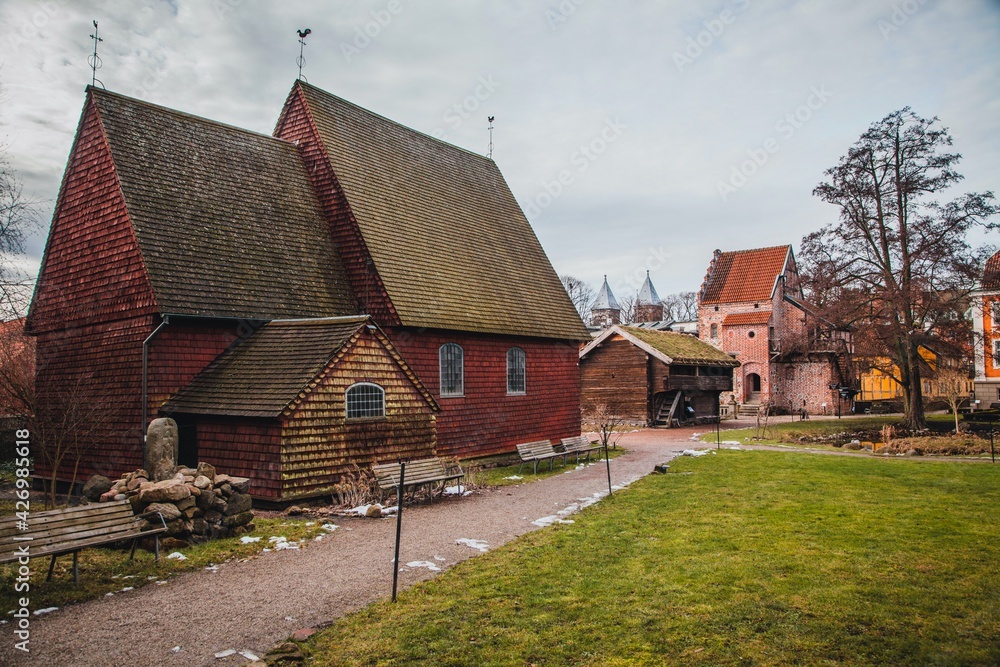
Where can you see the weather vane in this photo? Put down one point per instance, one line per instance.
(300, 61)
(95, 60)
(489, 154)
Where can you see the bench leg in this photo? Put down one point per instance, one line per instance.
(52, 565)
(156, 546)
(131, 555)
(534, 469)
(76, 568)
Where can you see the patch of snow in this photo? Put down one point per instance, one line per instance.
(514, 477)
(127, 589)
(161, 583)
(246, 539)
(549, 520)
(439, 558)
(390, 510)
(109, 595)
(47, 610)
(249, 655)
(177, 555)
(424, 563)
(225, 654)
(694, 452)
(176, 649)
(329, 527)
(478, 545)
(277, 538)
(456, 490)
(308, 523)
(318, 538)
(732, 442)
(212, 568)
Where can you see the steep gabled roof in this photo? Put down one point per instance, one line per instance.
(991, 274)
(268, 372)
(647, 294)
(450, 243)
(605, 298)
(667, 346)
(226, 219)
(745, 275)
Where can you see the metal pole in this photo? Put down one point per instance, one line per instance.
(718, 444)
(993, 455)
(399, 526)
(607, 463)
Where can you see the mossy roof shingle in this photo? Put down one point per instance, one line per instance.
(226, 219)
(449, 241)
(682, 348)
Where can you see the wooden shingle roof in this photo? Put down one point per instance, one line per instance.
(227, 221)
(452, 246)
(277, 365)
(745, 275)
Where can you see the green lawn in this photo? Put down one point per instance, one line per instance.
(748, 558)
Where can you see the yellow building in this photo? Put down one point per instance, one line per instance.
(941, 376)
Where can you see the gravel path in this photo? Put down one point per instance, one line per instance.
(255, 604)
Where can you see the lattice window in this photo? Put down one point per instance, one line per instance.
(452, 363)
(516, 371)
(365, 400)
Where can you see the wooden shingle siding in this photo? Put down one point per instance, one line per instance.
(320, 444)
(486, 420)
(93, 307)
(245, 448)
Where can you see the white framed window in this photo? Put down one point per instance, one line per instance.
(365, 400)
(995, 313)
(996, 353)
(516, 375)
(451, 359)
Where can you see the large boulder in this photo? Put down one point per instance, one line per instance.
(170, 490)
(238, 503)
(97, 486)
(161, 448)
(168, 510)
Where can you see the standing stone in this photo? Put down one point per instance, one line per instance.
(161, 448)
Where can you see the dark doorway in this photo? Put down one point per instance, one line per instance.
(187, 442)
(752, 388)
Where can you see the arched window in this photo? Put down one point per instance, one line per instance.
(515, 371)
(715, 331)
(452, 363)
(365, 399)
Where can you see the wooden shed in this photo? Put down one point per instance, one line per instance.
(301, 402)
(654, 377)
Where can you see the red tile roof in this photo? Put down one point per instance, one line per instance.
(745, 275)
(738, 319)
(991, 274)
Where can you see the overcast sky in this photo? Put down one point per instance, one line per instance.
(638, 135)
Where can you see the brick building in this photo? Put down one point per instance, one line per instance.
(986, 324)
(751, 305)
(180, 245)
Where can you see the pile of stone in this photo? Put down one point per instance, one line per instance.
(197, 503)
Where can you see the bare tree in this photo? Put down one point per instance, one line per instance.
(607, 420)
(18, 220)
(628, 310)
(681, 307)
(17, 370)
(953, 387)
(580, 293)
(898, 260)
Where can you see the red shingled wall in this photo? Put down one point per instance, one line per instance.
(244, 448)
(296, 125)
(486, 420)
(180, 351)
(93, 307)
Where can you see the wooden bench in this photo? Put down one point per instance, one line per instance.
(580, 444)
(539, 450)
(62, 531)
(424, 472)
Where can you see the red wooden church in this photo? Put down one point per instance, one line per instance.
(346, 291)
